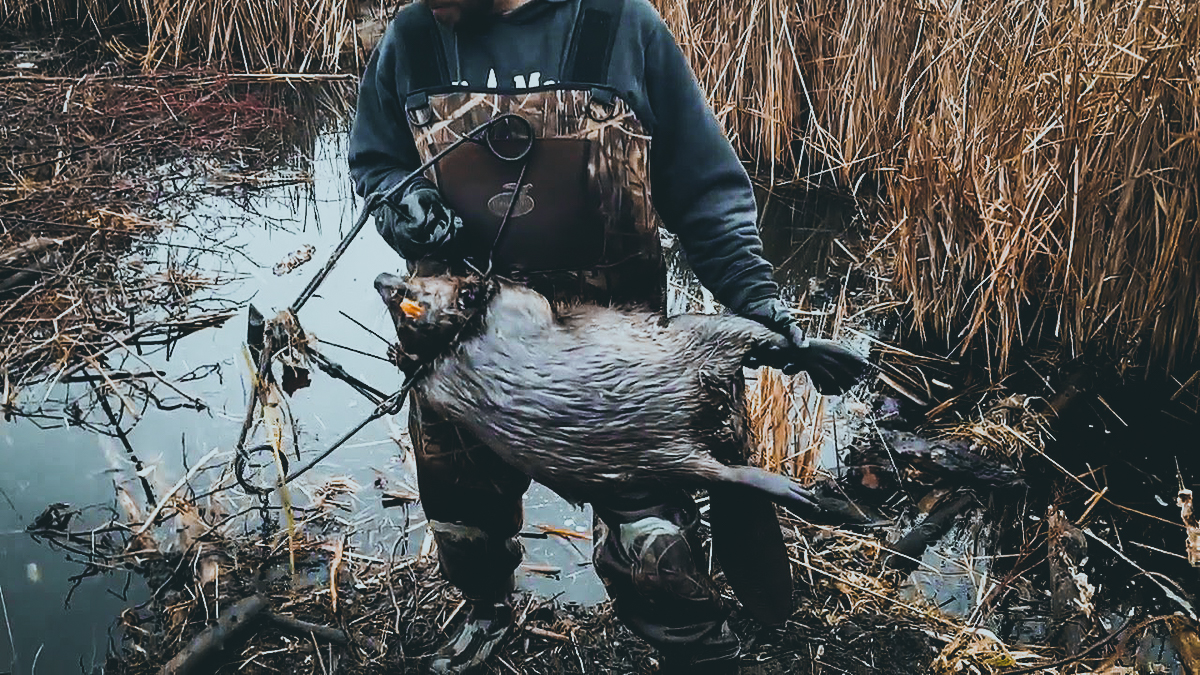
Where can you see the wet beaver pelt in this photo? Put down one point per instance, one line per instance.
(586, 400)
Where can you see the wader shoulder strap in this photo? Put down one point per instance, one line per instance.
(592, 41)
(423, 49)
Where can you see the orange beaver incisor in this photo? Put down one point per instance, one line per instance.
(412, 310)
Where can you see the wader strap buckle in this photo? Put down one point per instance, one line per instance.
(416, 107)
(602, 105)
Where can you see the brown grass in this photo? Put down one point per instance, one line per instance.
(1036, 163)
(745, 55)
(291, 36)
(787, 420)
(284, 36)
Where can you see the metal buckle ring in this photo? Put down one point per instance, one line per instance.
(509, 137)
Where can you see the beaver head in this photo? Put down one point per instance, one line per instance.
(431, 313)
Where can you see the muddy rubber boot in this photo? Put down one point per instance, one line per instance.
(475, 640)
(718, 654)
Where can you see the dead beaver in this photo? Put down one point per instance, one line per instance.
(589, 398)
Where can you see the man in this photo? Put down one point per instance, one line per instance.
(621, 138)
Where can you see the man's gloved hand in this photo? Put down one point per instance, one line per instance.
(418, 224)
(832, 368)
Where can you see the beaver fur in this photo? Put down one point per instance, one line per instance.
(587, 400)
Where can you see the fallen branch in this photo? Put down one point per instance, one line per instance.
(906, 554)
(235, 624)
(232, 624)
(298, 627)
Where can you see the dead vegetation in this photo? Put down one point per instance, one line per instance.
(207, 553)
(1035, 163)
(89, 180)
(316, 595)
(1031, 191)
(248, 35)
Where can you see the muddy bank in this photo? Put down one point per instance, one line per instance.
(223, 602)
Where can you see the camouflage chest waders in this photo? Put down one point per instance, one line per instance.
(580, 227)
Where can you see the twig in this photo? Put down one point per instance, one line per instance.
(18, 301)
(113, 385)
(352, 349)
(386, 341)
(1172, 595)
(206, 321)
(320, 659)
(154, 373)
(170, 493)
(461, 604)
(298, 627)
(387, 576)
(387, 406)
(137, 462)
(292, 77)
(8, 625)
(1096, 645)
(550, 635)
(33, 668)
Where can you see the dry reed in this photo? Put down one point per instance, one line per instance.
(266, 37)
(787, 420)
(205, 547)
(745, 56)
(1036, 163)
(288, 36)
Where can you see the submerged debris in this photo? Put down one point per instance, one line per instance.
(87, 184)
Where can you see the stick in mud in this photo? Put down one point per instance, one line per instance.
(233, 623)
(906, 554)
(1069, 602)
(298, 627)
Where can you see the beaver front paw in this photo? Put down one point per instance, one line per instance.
(832, 368)
(407, 363)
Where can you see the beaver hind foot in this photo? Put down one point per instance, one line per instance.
(781, 489)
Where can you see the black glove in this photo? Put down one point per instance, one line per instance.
(832, 368)
(418, 224)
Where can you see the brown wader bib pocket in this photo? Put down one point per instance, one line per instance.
(583, 204)
(553, 224)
